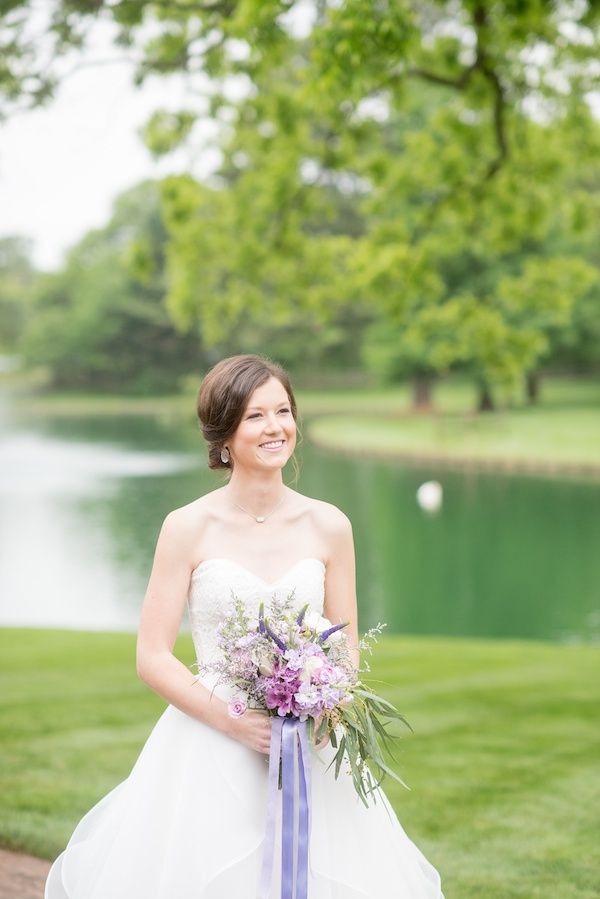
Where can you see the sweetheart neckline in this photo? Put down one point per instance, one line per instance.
(257, 576)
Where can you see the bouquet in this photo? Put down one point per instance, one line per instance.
(296, 664)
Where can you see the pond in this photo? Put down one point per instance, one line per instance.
(82, 499)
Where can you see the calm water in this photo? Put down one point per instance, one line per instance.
(81, 502)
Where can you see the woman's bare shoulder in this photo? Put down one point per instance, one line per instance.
(187, 518)
(331, 527)
(327, 517)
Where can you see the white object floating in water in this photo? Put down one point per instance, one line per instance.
(429, 496)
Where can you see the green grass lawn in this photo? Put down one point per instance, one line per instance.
(503, 764)
(563, 436)
(564, 430)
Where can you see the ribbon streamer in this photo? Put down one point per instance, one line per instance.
(289, 742)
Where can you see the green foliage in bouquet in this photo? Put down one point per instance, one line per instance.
(359, 732)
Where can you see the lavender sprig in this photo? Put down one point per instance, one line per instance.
(261, 619)
(332, 630)
(276, 640)
(300, 617)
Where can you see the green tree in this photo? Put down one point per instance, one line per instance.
(460, 191)
(448, 130)
(17, 277)
(101, 322)
(577, 347)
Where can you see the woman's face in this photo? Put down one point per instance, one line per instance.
(267, 419)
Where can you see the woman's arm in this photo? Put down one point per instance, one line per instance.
(340, 578)
(159, 625)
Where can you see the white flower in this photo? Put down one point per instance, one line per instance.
(319, 624)
(312, 620)
(312, 664)
(263, 659)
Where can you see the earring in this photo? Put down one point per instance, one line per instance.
(225, 457)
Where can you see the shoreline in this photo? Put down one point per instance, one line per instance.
(501, 465)
(563, 423)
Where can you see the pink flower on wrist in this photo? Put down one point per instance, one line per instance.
(236, 707)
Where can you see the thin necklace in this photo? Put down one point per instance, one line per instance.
(260, 518)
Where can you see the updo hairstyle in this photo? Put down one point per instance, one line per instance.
(224, 395)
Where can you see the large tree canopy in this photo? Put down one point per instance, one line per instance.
(426, 163)
(519, 50)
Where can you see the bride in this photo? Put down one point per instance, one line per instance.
(189, 820)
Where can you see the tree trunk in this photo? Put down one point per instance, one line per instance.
(422, 394)
(532, 386)
(486, 401)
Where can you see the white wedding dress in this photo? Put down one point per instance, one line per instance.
(189, 820)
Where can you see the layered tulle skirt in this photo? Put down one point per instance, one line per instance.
(189, 823)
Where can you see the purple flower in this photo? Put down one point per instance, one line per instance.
(276, 640)
(308, 701)
(325, 675)
(236, 707)
(331, 631)
(294, 659)
(246, 640)
(300, 617)
(313, 649)
(280, 696)
(284, 672)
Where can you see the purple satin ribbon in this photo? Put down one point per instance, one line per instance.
(289, 742)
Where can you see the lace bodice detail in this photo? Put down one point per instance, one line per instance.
(213, 581)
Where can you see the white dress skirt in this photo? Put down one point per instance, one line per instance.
(189, 821)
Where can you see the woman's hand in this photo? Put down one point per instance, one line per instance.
(253, 729)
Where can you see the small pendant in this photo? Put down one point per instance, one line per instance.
(260, 519)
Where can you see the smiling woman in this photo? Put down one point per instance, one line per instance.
(227, 416)
(259, 541)
(273, 421)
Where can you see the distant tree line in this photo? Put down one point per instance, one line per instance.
(101, 321)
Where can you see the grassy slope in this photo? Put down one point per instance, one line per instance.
(502, 763)
(564, 428)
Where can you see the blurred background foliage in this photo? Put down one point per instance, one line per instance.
(404, 191)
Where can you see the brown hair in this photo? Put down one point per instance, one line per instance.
(224, 395)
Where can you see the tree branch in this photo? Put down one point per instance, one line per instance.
(499, 122)
(488, 71)
(483, 65)
(224, 7)
(458, 83)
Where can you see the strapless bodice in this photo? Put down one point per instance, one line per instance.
(214, 582)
